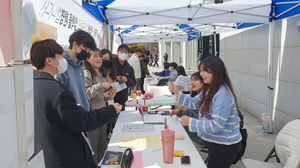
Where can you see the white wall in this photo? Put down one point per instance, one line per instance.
(186, 52)
(245, 53)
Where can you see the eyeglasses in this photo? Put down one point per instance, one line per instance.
(88, 51)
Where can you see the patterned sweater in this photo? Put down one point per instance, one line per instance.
(223, 125)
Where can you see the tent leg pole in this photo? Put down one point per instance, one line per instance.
(108, 39)
(19, 84)
(271, 107)
(215, 41)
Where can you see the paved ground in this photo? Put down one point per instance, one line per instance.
(259, 144)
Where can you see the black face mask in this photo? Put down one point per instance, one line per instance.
(107, 63)
(82, 55)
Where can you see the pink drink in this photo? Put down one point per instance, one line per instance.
(168, 138)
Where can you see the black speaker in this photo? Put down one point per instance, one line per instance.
(218, 1)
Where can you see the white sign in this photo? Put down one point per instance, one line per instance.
(58, 19)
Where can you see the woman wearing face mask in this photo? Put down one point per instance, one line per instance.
(111, 72)
(218, 123)
(58, 119)
(196, 83)
(109, 65)
(96, 82)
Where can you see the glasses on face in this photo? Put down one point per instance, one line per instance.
(87, 50)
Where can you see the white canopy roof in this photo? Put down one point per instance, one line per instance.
(156, 20)
(145, 12)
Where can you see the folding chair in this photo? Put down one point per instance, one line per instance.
(251, 163)
(286, 149)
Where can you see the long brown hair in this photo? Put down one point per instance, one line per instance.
(89, 67)
(215, 66)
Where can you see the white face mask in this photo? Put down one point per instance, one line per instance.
(62, 66)
(123, 56)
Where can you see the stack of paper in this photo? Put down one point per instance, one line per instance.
(153, 119)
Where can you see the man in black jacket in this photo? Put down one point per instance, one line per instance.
(58, 120)
(125, 74)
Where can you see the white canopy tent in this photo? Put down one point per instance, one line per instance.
(158, 21)
(193, 12)
(159, 12)
(131, 12)
(170, 32)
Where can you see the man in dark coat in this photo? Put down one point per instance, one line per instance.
(125, 73)
(58, 120)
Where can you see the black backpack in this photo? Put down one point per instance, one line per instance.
(244, 140)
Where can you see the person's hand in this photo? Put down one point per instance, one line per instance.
(112, 92)
(180, 107)
(173, 88)
(119, 78)
(185, 120)
(152, 72)
(124, 79)
(106, 85)
(149, 76)
(174, 112)
(181, 88)
(118, 107)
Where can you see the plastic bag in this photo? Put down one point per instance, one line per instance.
(266, 123)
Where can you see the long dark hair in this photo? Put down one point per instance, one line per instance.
(215, 66)
(196, 76)
(89, 67)
(180, 70)
(112, 73)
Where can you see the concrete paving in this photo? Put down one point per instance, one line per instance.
(259, 144)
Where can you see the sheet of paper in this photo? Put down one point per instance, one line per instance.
(123, 85)
(117, 86)
(140, 102)
(164, 101)
(140, 141)
(153, 119)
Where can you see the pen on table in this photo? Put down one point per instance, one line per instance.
(157, 150)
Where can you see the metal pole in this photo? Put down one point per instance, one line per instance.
(108, 38)
(215, 42)
(270, 71)
(19, 83)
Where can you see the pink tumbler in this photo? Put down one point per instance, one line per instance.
(168, 138)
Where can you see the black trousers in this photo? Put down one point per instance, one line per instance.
(142, 81)
(221, 156)
(155, 63)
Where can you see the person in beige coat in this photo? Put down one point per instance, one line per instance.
(96, 84)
